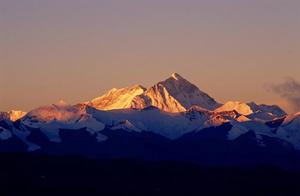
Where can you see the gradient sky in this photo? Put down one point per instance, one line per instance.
(77, 49)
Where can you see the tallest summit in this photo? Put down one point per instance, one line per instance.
(177, 94)
(176, 76)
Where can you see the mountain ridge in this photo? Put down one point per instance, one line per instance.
(169, 114)
(175, 94)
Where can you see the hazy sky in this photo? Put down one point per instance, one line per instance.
(77, 49)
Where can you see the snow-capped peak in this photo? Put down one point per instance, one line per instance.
(13, 115)
(117, 98)
(176, 94)
(253, 110)
(176, 76)
(55, 112)
(241, 108)
(51, 119)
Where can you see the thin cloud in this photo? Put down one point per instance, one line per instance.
(289, 90)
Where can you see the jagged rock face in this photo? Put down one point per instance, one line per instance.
(119, 99)
(175, 94)
(161, 99)
(272, 109)
(141, 102)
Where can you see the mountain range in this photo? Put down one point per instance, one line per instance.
(172, 119)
